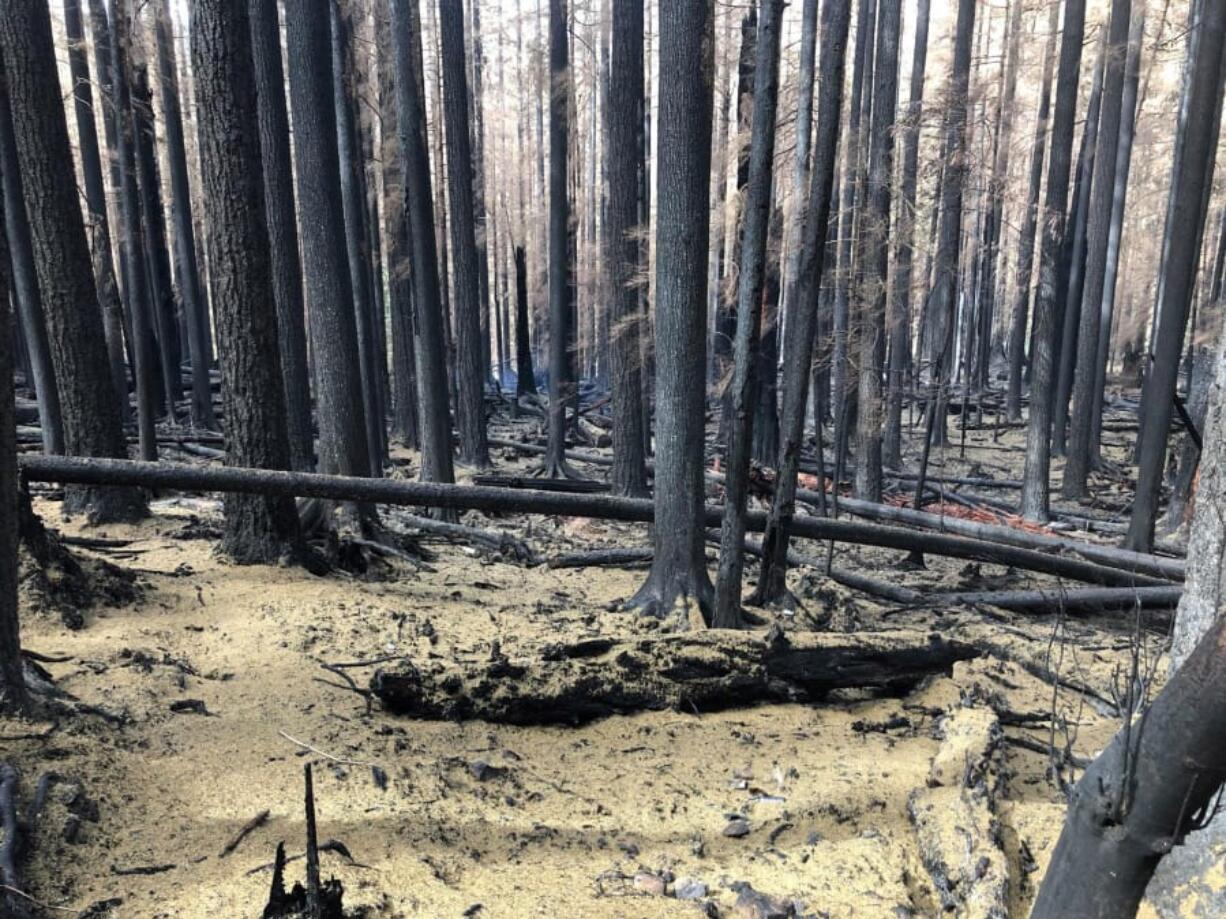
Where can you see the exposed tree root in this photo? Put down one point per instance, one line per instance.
(704, 671)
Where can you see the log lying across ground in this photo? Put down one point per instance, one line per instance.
(704, 671)
(75, 470)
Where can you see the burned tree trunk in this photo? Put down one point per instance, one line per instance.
(433, 416)
(625, 125)
(1179, 269)
(12, 680)
(471, 371)
(678, 586)
(282, 230)
(1035, 490)
(598, 677)
(89, 404)
(525, 376)
(258, 529)
(343, 444)
(799, 341)
(20, 256)
(750, 293)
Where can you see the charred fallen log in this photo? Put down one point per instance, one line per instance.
(705, 671)
(84, 471)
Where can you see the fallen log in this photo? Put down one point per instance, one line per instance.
(90, 471)
(1111, 556)
(705, 671)
(570, 486)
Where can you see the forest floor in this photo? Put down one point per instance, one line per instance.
(620, 817)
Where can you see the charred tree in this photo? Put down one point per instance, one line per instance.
(429, 342)
(561, 280)
(282, 229)
(399, 248)
(1025, 262)
(678, 587)
(623, 257)
(258, 529)
(1080, 452)
(1178, 278)
(88, 401)
(806, 285)
(899, 322)
(1035, 488)
(343, 444)
(525, 382)
(12, 680)
(751, 284)
(98, 228)
(875, 252)
(191, 292)
(25, 284)
(356, 236)
(471, 369)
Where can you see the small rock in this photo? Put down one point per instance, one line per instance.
(651, 884)
(481, 770)
(737, 828)
(689, 889)
(189, 707)
(72, 829)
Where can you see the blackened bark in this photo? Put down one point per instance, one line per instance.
(1141, 796)
(806, 286)
(133, 232)
(1070, 275)
(343, 446)
(1080, 455)
(258, 529)
(561, 280)
(191, 293)
(483, 234)
(525, 384)
(88, 402)
(434, 417)
(98, 226)
(678, 586)
(471, 369)
(357, 240)
(25, 284)
(899, 323)
(1179, 269)
(1035, 488)
(875, 252)
(399, 249)
(625, 126)
(12, 681)
(1025, 260)
(282, 228)
(804, 136)
(163, 308)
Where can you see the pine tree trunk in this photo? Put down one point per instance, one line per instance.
(525, 376)
(357, 241)
(1025, 262)
(20, 255)
(399, 248)
(899, 324)
(195, 303)
(1035, 488)
(678, 587)
(434, 416)
(1195, 175)
(806, 286)
(282, 230)
(875, 252)
(258, 529)
(343, 444)
(88, 401)
(471, 344)
(751, 283)
(1078, 463)
(624, 116)
(12, 681)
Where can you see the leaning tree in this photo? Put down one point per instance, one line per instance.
(678, 586)
(257, 528)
